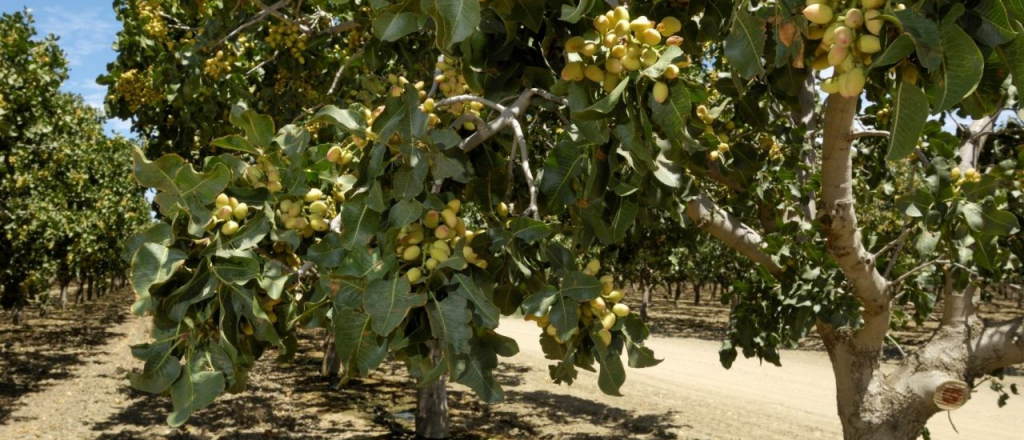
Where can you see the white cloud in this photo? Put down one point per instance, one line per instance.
(83, 32)
(91, 92)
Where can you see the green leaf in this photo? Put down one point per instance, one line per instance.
(1000, 222)
(160, 371)
(528, 12)
(926, 36)
(479, 373)
(915, 205)
(158, 233)
(203, 186)
(668, 57)
(408, 182)
(157, 174)
(326, 253)
(994, 28)
(484, 307)
(235, 142)
(561, 168)
(972, 214)
(539, 302)
(635, 332)
(404, 213)
(986, 253)
(259, 129)
(398, 21)
(989, 220)
(236, 270)
(565, 316)
(624, 216)
(603, 108)
(910, 112)
(926, 243)
(574, 14)
(744, 47)
(611, 375)
(528, 229)
(192, 392)
(449, 323)
(896, 51)
(359, 348)
(580, 286)
(248, 236)
(273, 279)
(347, 119)
(1012, 54)
(388, 302)
(360, 222)
(960, 71)
(596, 132)
(454, 20)
(152, 264)
(672, 114)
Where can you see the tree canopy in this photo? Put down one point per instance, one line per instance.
(67, 200)
(357, 136)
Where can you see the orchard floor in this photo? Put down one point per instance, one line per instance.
(62, 377)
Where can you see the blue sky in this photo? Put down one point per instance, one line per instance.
(87, 29)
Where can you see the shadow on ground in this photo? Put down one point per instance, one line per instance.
(291, 401)
(44, 349)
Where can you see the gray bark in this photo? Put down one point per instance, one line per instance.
(432, 418)
(331, 366)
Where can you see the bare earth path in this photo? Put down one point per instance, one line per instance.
(752, 401)
(689, 396)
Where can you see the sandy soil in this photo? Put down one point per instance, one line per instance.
(62, 377)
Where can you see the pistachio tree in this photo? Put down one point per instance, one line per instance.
(405, 173)
(66, 201)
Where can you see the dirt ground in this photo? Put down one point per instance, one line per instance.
(62, 377)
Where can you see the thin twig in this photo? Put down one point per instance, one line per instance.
(469, 98)
(868, 133)
(433, 81)
(341, 71)
(920, 156)
(262, 63)
(885, 248)
(528, 174)
(307, 111)
(339, 28)
(919, 268)
(259, 17)
(903, 354)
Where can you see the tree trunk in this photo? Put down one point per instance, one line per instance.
(64, 294)
(678, 293)
(696, 293)
(432, 419)
(331, 366)
(80, 294)
(645, 301)
(16, 315)
(90, 290)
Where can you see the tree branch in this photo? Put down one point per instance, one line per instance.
(532, 209)
(730, 230)
(267, 10)
(838, 216)
(506, 115)
(970, 148)
(898, 240)
(917, 269)
(867, 133)
(999, 345)
(957, 307)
